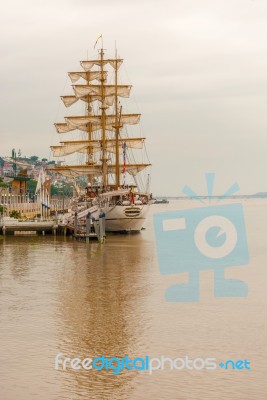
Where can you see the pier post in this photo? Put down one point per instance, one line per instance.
(102, 226)
(75, 223)
(4, 230)
(96, 227)
(88, 226)
(55, 224)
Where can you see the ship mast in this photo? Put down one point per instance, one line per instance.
(103, 108)
(117, 127)
(89, 149)
(108, 95)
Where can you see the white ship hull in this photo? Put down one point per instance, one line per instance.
(125, 218)
(122, 211)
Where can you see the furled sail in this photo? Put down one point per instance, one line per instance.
(65, 127)
(88, 76)
(132, 169)
(78, 122)
(77, 170)
(69, 100)
(88, 65)
(132, 143)
(109, 90)
(82, 146)
(70, 148)
(80, 170)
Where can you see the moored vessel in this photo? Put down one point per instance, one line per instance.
(108, 168)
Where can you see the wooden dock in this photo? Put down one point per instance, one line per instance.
(11, 227)
(83, 229)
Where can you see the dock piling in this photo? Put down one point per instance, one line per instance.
(88, 226)
(102, 226)
(75, 223)
(96, 227)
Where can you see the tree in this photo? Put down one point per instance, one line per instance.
(34, 158)
(44, 160)
(65, 191)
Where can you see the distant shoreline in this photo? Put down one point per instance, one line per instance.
(244, 196)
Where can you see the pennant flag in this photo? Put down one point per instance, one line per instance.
(99, 37)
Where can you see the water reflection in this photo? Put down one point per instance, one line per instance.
(101, 293)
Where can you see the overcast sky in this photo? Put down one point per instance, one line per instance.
(198, 67)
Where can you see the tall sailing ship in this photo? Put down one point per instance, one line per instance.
(108, 163)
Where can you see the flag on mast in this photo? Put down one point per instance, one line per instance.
(99, 37)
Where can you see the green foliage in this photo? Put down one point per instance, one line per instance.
(15, 214)
(4, 184)
(34, 158)
(31, 186)
(2, 162)
(65, 191)
(2, 209)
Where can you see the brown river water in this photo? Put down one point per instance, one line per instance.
(62, 296)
